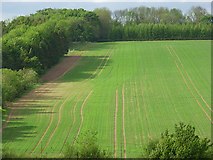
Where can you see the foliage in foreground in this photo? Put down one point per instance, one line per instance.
(8, 153)
(183, 143)
(86, 146)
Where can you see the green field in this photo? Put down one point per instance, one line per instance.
(129, 92)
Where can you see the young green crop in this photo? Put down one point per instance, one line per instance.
(129, 92)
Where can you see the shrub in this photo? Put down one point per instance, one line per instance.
(15, 83)
(86, 146)
(183, 143)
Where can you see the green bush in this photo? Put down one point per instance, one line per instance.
(86, 146)
(15, 83)
(183, 143)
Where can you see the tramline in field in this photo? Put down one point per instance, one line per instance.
(129, 92)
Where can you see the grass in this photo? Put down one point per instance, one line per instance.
(158, 84)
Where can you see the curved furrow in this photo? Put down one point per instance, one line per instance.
(71, 126)
(45, 132)
(58, 122)
(81, 113)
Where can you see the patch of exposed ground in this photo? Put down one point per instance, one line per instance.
(35, 96)
(60, 69)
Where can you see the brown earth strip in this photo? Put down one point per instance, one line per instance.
(54, 73)
(24, 102)
(123, 121)
(60, 69)
(27, 100)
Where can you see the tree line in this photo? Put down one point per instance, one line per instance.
(39, 40)
(145, 23)
(160, 31)
(161, 15)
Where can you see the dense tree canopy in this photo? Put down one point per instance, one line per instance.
(144, 23)
(160, 15)
(196, 14)
(104, 16)
(144, 31)
(38, 41)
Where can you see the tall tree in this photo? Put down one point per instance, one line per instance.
(176, 16)
(104, 16)
(196, 14)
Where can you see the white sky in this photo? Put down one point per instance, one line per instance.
(14, 8)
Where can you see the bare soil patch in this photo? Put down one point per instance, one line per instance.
(35, 95)
(61, 68)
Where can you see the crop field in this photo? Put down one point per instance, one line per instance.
(129, 92)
